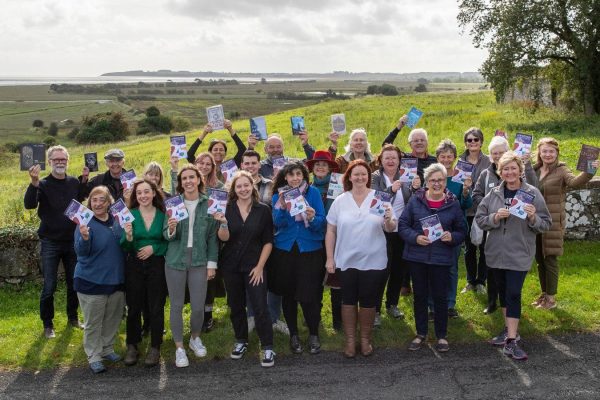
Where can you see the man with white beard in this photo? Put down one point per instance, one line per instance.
(51, 196)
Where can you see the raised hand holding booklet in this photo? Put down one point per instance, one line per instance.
(522, 144)
(31, 154)
(278, 164)
(216, 117)
(127, 179)
(120, 211)
(338, 123)
(176, 208)
(462, 171)
(500, 132)
(379, 200)
(217, 201)
(78, 213)
(336, 186)
(432, 227)
(408, 169)
(90, 160)
(228, 169)
(414, 115)
(294, 201)
(587, 156)
(519, 201)
(297, 125)
(178, 147)
(258, 127)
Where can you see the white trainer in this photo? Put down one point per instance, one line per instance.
(181, 359)
(197, 347)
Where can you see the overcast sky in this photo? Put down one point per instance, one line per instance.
(90, 37)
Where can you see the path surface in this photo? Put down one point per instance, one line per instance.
(566, 367)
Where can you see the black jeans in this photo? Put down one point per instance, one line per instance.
(145, 283)
(238, 287)
(397, 272)
(476, 269)
(426, 277)
(52, 252)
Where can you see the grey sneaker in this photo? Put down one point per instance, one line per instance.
(500, 339)
(468, 288)
(49, 333)
(394, 312)
(377, 320)
(513, 350)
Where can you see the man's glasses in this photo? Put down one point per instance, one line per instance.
(473, 140)
(59, 160)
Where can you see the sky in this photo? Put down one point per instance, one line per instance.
(91, 37)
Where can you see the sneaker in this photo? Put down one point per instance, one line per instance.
(208, 325)
(239, 349)
(181, 360)
(490, 309)
(500, 339)
(546, 304)
(377, 320)
(75, 323)
(468, 288)
(442, 346)
(539, 300)
(394, 312)
(295, 345)
(131, 356)
(452, 313)
(49, 333)
(97, 367)
(416, 343)
(112, 357)
(197, 347)
(152, 357)
(479, 288)
(267, 359)
(513, 350)
(314, 344)
(251, 324)
(281, 327)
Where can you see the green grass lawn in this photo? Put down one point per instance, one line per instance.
(22, 344)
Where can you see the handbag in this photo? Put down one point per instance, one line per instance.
(476, 233)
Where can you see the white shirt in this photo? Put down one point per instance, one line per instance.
(398, 205)
(190, 205)
(360, 240)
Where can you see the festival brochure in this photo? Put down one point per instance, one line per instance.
(216, 117)
(78, 213)
(408, 169)
(522, 145)
(414, 115)
(228, 169)
(176, 208)
(258, 127)
(278, 164)
(462, 171)
(297, 125)
(336, 186)
(432, 227)
(338, 123)
(587, 156)
(500, 132)
(178, 147)
(519, 201)
(127, 179)
(90, 160)
(31, 154)
(379, 200)
(120, 211)
(217, 201)
(294, 201)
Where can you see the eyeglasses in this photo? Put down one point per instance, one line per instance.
(436, 180)
(59, 160)
(473, 140)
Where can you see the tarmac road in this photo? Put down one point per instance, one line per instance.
(566, 367)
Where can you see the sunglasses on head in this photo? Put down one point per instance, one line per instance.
(471, 140)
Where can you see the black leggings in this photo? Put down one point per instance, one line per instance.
(361, 287)
(510, 286)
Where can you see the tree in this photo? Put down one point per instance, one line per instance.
(52, 129)
(524, 37)
(421, 88)
(38, 123)
(102, 128)
(152, 111)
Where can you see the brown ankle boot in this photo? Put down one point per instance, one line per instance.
(349, 323)
(366, 316)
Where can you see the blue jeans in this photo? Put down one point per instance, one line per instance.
(54, 251)
(273, 303)
(453, 280)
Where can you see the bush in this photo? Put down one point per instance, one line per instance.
(103, 128)
(49, 141)
(152, 111)
(73, 133)
(52, 129)
(11, 147)
(385, 89)
(38, 123)
(181, 124)
(421, 88)
(158, 124)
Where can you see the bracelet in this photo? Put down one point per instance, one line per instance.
(223, 225)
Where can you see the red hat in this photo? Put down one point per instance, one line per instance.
(323, 155)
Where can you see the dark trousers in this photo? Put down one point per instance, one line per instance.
(547, 269)
(397, 272)
(239, 289)
(52, 253)
(361, 287)
(336, 307)
(492, 289)
(430, 281)
(476, 268)
(145, 283)
(510, 286)
(311, 311)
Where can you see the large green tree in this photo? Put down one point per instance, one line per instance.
(524, 37)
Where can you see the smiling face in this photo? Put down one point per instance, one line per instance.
(218, 152)
(359, 177)
(99, 204)
(243, 188)
(446, 158)
(321, 169)
(190, 181)
(144, 194)
(251, 165)
(436, 183)
(418, 143)
(115, 166)
(496, 153)
(152, 177)
(358, 143)
(510, 173)
(274, 147)
(58, 161)
(390, 161)
(294, 177)
(473, 144)
(204, 165)
(548, 154)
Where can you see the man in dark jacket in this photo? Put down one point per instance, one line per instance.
(115, 161)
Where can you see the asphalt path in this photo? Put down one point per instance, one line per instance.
(559, 367)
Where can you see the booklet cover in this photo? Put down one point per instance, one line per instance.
(587, 156)
(500, 132)
(336, 186)
(176, 208)
(127, 179)
(432, 227)
(78, 213)
(297, 125)
(278, 164)
(519, 201)
(295, 202)
(414, 115)
(338, 123)
(90, 160)
(120, 211)
(258, 127)
(217, 201)
(379, 200)
(462, 171)
(215, 117)
(522, 144)
(31, 154)
(228, 169)
(408, 169)
(178, 147)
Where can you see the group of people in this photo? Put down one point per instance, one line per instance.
(270, 261)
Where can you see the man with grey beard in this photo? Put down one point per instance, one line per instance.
(51, 196)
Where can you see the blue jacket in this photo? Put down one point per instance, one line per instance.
(100, 259)
(409, 227)
(288, 230)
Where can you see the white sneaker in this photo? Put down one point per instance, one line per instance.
(268, 359)
(251, 324)
(181, 359)
(468, 288)
(281, 327)
(197, 347)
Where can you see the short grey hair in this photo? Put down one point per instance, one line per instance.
(417, 131)
(354, 133)
(498, 141)
(433, 168)
(444, 146)
(56, 148)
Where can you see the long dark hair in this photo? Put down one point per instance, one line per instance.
(288, 168)
(198, 174)
(158, 200)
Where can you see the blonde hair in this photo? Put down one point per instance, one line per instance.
(507, 158)
(354, 133)
(154, 168)
(100, 190)
(548, 141)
